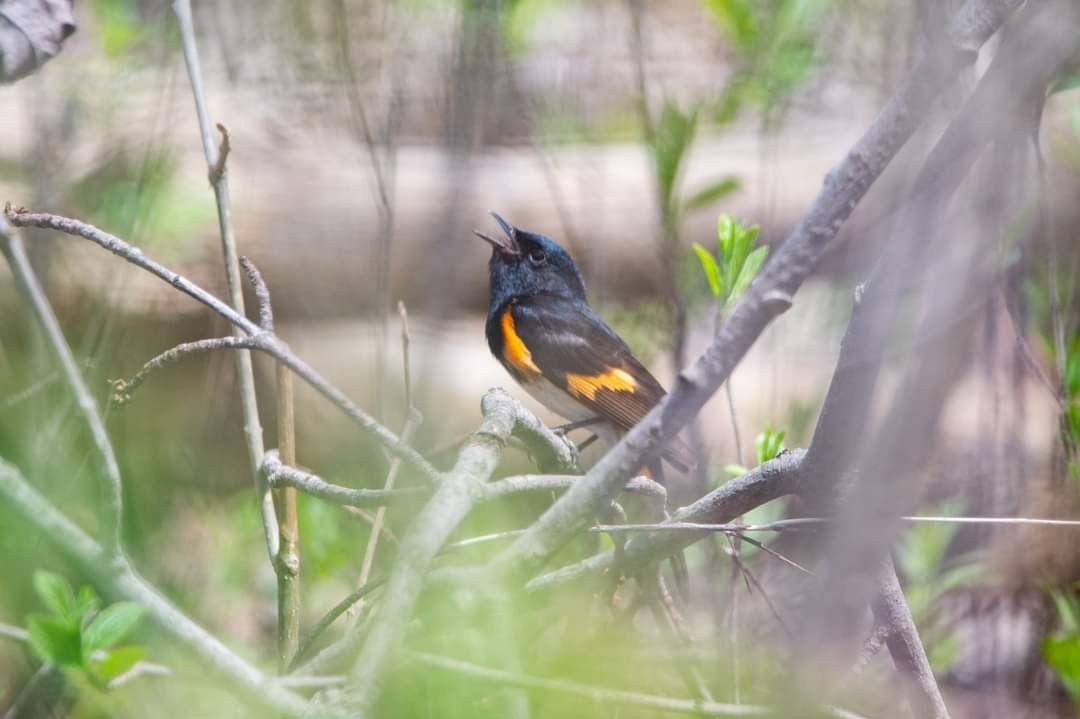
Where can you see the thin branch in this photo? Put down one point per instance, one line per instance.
(331, 616)
(287, 561)
(770, 293)
(9, 631)
(266, 342)
(262, 294)
(282, 475)
(412, 423)
(123, 390)
(800, 523)
(560, 483)
(112, 508)
(118, 580)
(773, 479)
(601, 695)
(218, 174)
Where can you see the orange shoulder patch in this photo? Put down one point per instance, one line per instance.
(514, 350)
(587, 386)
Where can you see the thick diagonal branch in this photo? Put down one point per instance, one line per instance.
(771, 293)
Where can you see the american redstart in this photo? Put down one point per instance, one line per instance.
(542, 330)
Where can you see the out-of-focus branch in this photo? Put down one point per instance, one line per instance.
(32, 32)
(118, 580)
(111, 511)
(601, 695)
(561, 482)
(771, 293)
(287, 561)
(265, 341)
(453, 499)
(218, 174)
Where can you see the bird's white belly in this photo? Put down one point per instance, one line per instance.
(562, 404)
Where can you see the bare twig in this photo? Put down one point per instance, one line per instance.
(8, 631)
(287, 561)
(262, 294)
(111, 511)
(412, 423)
(331, 616)
(265, 341)
(123, 390)
(560, 483)
(217, 170)
(281, 475)
(118, 579)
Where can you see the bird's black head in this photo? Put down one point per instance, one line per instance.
(528, 264)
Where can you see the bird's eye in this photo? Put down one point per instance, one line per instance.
(537, 257)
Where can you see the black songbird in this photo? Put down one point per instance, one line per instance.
(542, 330)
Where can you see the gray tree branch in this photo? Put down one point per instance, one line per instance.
(264, 341)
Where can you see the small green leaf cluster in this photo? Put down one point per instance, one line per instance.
(78, 634)
(736, 262)
(767, 445)
(1061, 650)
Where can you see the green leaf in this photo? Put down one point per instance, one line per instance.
(112, 624)
(725, 237)
(55, 593)
(749, 271)
(54, 639)
(736, 470)
(769, 444)
(675, 132)
(736, 18)
(711, 193)
(712, 272)
(1068, 609)
(1063, 655)
(87, 601)
(117, 662)
(1065, 83)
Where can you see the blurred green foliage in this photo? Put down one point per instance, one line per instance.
(928, 574)
(1062, 648)
(78, 634)
(774, 43)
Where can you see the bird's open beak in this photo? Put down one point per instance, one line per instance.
(507, 248)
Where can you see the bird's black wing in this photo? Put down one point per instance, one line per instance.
(575, 350)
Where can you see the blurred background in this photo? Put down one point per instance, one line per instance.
(369, 138)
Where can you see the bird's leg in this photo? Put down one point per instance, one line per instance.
(564, 429)
(592, 438)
